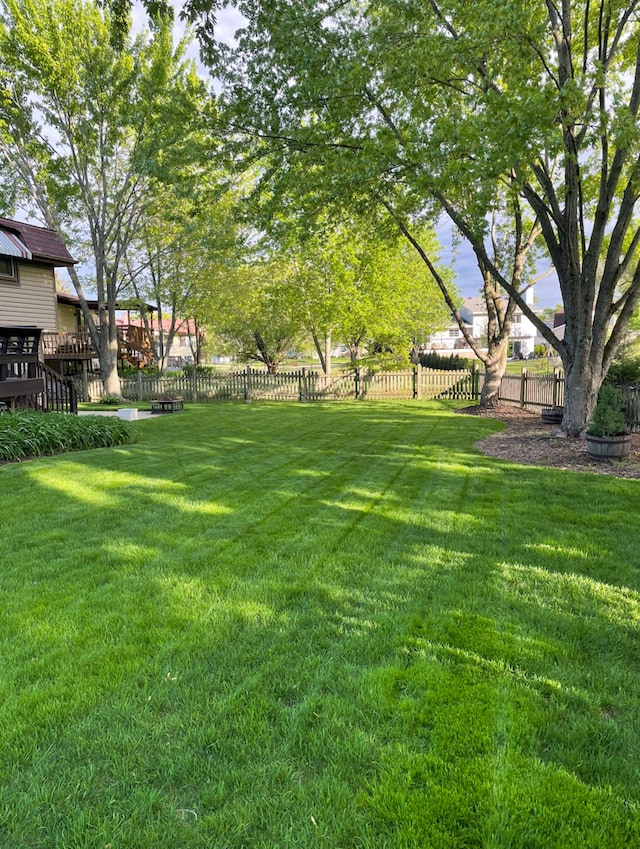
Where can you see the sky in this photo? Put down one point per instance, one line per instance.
(546, 292)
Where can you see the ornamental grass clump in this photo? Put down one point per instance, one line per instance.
(608, 417)
(28, 434)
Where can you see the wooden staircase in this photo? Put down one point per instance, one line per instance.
(25, 381)
(134, 347)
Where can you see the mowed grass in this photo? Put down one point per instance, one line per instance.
(317, 626)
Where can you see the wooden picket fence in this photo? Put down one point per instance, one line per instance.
(526, 390)
(533, 391)
(303, 385)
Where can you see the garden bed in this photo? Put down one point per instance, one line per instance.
(526, 439)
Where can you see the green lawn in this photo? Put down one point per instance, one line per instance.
(542, 365)
(317, 626)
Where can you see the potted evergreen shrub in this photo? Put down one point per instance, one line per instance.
(607, 435)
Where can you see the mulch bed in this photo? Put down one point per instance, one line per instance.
(526, 439)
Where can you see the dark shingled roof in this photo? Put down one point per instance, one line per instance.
(45, 245)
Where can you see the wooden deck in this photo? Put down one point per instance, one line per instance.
(67, 345)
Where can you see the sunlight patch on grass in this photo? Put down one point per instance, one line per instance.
(133, 554)
(572, 593)
(191, 505)
(557, 550)
(82, 491)
(97, 487)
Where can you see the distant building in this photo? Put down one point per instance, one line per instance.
(474, 314)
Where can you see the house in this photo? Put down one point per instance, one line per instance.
(50, 320)
(474, 314)
(29, 256)
(69, 349)
(181, 352)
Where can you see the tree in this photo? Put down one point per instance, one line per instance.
(332, 139)
(87, 129)
(179, 252)
(361, 286)
(512, 251)
(441, 105)
(251, 311)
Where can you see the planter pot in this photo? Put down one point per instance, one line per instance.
(608, 447)
(552, 415)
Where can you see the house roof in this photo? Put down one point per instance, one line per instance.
(184, 327)
(475, 305)
(40, 243)
(74, 301)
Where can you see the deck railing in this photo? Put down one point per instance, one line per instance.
(77, 345)
(59, 394)
(67, 344)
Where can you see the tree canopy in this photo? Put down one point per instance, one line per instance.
(363, 288)
(88, 129)
(444, 105)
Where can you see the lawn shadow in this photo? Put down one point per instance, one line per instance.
(348, 601)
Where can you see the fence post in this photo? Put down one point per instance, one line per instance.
(73, 398)
(474, 380)
(139, 385)
(247, 388)
(303, 385)
(416, 382)
(523, 388)
(357, 382)
(194, 385)
(556, 387)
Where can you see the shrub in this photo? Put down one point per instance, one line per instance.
(133, 371)
(625, 371)
(29, 434)
(189, 370)
(454, 362)
(608, 416)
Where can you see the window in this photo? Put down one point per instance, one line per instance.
(517, 319)
(8, 270)
(454, 332)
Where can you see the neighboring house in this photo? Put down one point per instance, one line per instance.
(474, 314)
(181, 351)
(42, 333)
(29, 256)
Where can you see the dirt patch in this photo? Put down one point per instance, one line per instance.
(526, 439)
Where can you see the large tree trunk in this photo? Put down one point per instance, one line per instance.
(495, 364)
(581, 387)
(109, 367)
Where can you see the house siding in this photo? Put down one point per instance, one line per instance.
(32, 302)
(67, 317)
